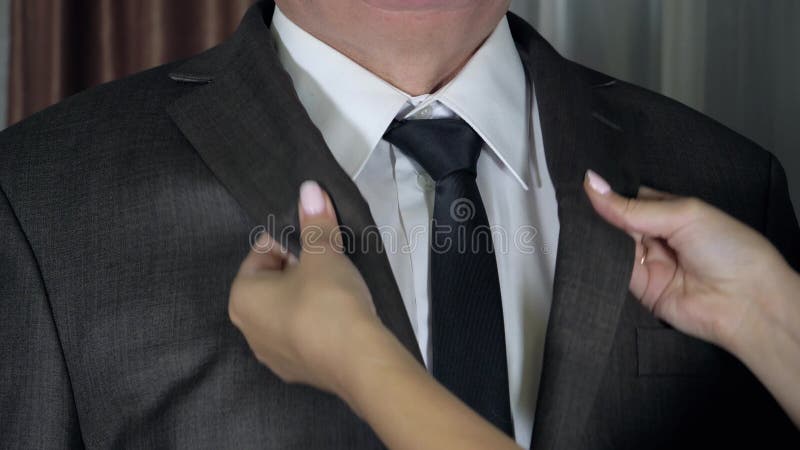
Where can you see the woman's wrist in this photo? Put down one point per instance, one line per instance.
(376, 352)
(771, 346)
(774, 314)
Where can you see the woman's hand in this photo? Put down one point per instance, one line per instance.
(301, 317)
(712, 277)
(312, 321)
(698, 269)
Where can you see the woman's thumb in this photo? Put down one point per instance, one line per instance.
(652, 217)
(319, 230)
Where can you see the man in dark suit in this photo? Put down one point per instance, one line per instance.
(125, 211)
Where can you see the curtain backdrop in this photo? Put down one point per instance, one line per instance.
(5, 26)
(60, 47)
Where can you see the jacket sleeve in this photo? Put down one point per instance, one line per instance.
(780, 222)
(37, 407)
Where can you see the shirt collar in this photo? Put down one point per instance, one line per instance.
(352, 107)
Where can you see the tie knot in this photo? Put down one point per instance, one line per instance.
(441, 146)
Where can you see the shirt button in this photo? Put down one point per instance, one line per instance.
(425, 182)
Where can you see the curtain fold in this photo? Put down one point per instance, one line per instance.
(60, 47)
(5, 39)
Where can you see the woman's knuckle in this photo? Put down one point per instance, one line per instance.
(630, 206)
(692, 206)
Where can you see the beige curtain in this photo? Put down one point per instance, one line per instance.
(60, 47)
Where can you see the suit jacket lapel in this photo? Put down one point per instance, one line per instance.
(594, 260)
(248, 125)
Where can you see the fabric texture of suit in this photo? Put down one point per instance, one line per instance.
(126, 210)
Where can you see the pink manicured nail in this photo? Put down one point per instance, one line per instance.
(597, 183)
(311, 198)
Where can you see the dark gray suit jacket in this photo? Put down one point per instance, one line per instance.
(125, 211)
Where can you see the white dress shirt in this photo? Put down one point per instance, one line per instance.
(352, 107)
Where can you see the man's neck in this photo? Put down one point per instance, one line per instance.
(414, 75)
(414, 58)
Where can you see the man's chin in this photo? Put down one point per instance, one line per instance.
(421, 5)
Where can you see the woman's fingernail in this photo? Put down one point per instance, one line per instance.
(597, 183)
(312, 200)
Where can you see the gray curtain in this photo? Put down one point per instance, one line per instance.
(737, 61)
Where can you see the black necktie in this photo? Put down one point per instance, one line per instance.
(467, 333)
